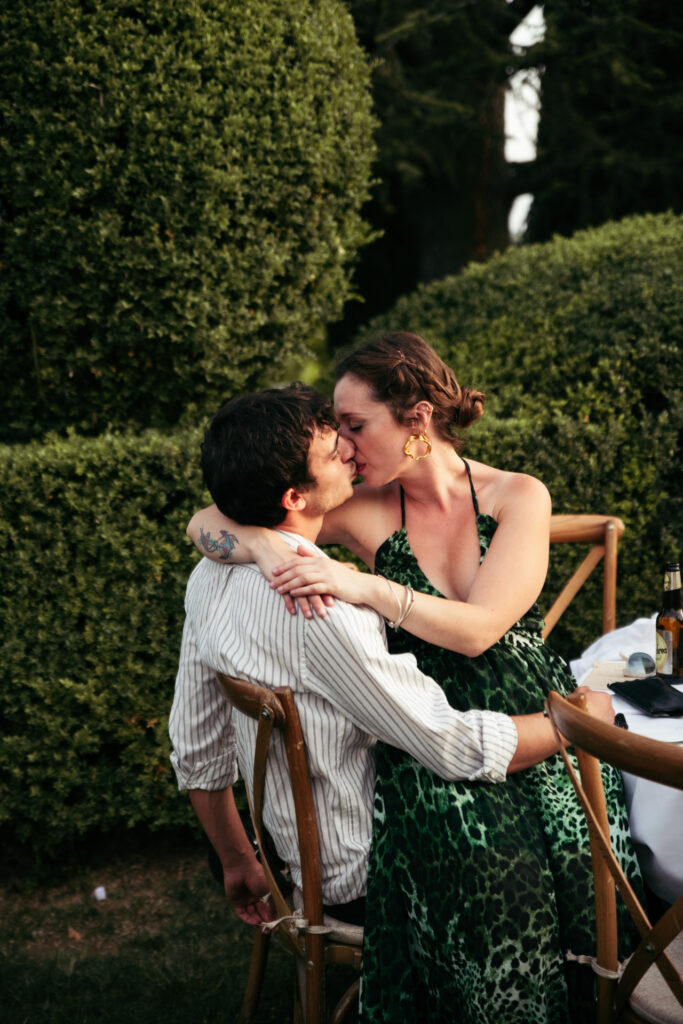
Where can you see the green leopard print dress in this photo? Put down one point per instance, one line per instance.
(476, 890)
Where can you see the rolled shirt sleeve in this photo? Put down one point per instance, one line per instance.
(204, 754)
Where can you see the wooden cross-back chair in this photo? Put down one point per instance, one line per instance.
(314, 939)
(649, 986)
(604, 533)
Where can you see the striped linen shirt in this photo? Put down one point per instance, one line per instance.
(349, 692)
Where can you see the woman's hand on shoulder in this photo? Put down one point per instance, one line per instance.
(269, 550)
(316, 576)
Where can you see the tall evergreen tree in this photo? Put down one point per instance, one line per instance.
(610, 140)
(439, 77)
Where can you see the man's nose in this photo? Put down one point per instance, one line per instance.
(347, 449)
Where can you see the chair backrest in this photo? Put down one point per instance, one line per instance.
(307, 936)
(603, 533)
(595, 741)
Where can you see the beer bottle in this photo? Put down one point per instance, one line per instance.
(668, 624)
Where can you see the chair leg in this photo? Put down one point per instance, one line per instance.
(257, 968)
(299, 988)
(346, 1010)
(314, 980)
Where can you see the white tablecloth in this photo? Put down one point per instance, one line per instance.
(655, 811)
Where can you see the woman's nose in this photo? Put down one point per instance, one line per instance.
(347, 449)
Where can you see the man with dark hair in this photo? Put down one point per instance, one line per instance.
(276, 458)
(256, 448)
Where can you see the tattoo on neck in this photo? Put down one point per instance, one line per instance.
(223, 546)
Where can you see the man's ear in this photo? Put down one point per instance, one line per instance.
(293, 501)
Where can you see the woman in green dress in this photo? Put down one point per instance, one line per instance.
(475, 892)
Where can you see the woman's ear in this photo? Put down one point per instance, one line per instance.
(421, 416)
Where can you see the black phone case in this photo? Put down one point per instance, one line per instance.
(653, 695)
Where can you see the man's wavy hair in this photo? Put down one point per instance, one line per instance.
(256, 447)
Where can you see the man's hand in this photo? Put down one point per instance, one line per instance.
(243, 878)
(246, 887)
(599, 704)
(536, 738)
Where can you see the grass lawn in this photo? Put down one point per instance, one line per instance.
(163, 946)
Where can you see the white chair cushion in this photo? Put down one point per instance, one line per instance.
(343, 932)
(652, 998)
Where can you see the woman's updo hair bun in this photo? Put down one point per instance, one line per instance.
(471, 407)
(401, 369)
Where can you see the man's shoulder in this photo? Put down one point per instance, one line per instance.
(208, 567)
(237, 594)
(216, 577)
(216, 583)
(355, 623)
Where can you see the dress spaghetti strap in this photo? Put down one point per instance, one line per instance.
(472, 490)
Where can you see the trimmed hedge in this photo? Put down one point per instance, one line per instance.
(179, 202)
(578, 345)
(95, 562)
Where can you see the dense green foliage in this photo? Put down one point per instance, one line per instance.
(179, 201)
(578, 344)
(95, 563)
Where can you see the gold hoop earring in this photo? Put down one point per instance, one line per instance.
(417, 437)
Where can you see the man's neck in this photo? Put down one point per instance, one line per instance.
(304, 526)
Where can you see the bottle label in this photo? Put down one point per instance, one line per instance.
(672, 579)
(664, 656)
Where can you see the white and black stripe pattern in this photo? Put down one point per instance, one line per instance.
(349, 692)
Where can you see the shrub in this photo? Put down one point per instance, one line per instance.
(95, 563)
(577, 344)
(179, 207)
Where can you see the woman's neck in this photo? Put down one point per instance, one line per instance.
(437, 480)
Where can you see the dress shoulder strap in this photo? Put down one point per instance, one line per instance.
(472, 490)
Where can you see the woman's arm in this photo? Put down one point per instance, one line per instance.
(360, 524)
(505, 586)
(223, 540)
